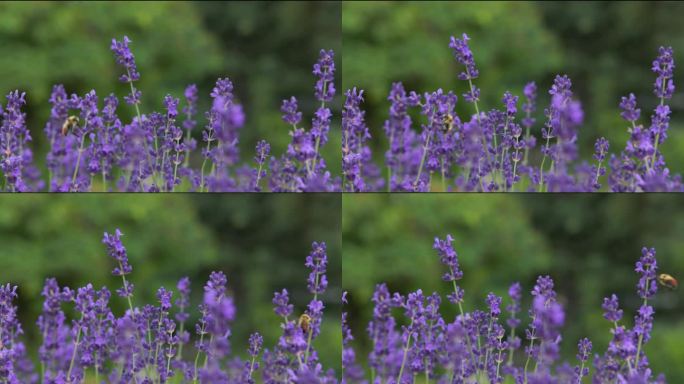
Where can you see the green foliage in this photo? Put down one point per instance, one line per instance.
(587, 243)
(260, 242)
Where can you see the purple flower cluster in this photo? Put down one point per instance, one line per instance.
(151, 343)
(302, 168)
(92, 149)
(493, 150)
(479, 346)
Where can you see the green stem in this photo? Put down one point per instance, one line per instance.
(256, 184)
(318, 138)
(251, 368)
(204, 163)
(641, 336)
(194, 376)
(156, 350)
(527, 362)
(657, 138)
(176, 163)
(527, 136)
(73, 354)
(308, 341)
(186, 161)
(180, 343)
(80, 153)
(477, 112)
(510, 348)
(422, 160)
(460, 309)
(579, 376)
(206, 355)
(406, 348)
(389, 169)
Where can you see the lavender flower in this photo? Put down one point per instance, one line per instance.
(14, 135)
(449, 258)
(584, 348)
(117, 251)
(612, 311)
(144, 345)
(646, 267)
(628, 105)
(663, 66)
(282, 306)
(473, 346)
(324, 70)
(125, 58)
(291, 114)
(355, 154)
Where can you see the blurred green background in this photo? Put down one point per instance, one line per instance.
(259, 242)
(587, 243)
(605, 47)
(266, 49)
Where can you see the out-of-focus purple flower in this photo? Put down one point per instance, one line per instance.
(530, 92)
(183, 300)
(255, 343)
(190, 109)
(515, 293)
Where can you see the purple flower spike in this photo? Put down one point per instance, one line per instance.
(124, 57)
(611, 308)
(449, 257)
(291, 114)
(317, 261)
(628, 105)
(464, 55)
(324, 70)
(647, 267)
(663, 66)
(281, 301)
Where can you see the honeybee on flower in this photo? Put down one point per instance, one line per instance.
(69, 124)
(448, 122)
(304, 322)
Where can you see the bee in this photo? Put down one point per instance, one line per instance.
(304, 322)
(667, 281)
(69, 124)
(448, 122)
